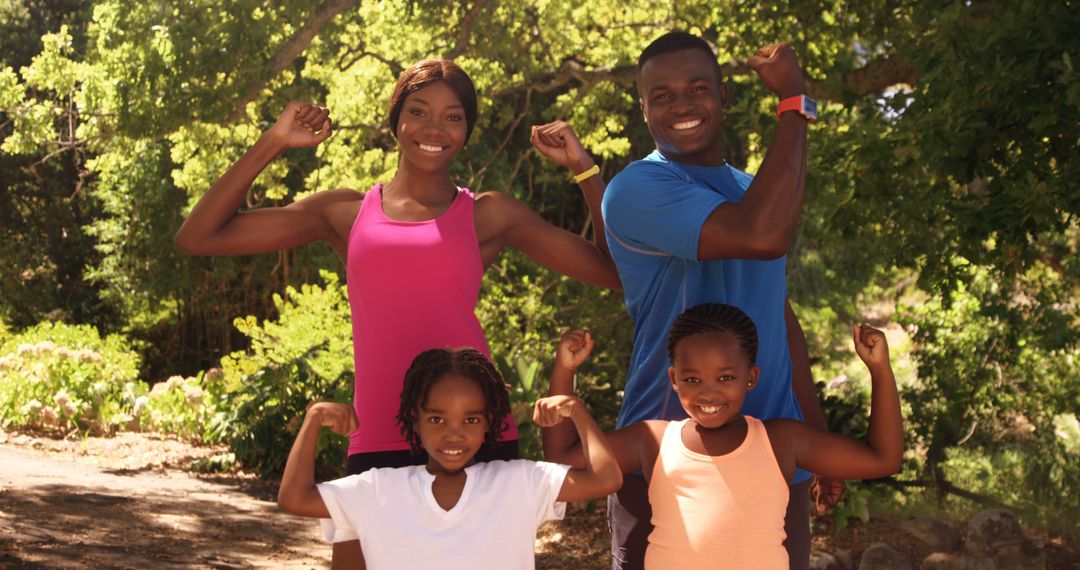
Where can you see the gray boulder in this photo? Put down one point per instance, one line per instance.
(997, 535)
(946, 561)
(881, 556)
(823, 561)
(939, 536)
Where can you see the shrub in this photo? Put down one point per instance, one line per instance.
(182, 406)
(61, 377)
(305, 354)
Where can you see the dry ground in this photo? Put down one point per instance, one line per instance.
(131, 501)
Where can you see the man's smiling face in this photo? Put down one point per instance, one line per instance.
(684, 103)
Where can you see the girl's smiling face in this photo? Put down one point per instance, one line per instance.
(711, 373)
(452, 424)
(431, 130)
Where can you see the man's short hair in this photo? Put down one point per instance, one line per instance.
(676, 41)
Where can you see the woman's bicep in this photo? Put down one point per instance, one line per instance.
(263, 230)
(560, 250)
(260, 231)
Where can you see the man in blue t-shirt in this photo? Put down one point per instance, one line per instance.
(684, 228)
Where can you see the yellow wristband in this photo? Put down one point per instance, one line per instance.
(594, 170)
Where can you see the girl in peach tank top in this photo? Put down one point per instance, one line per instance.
(730, 508)
(718, 480)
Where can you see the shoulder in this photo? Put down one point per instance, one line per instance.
(741, 178)
(644, 432)
(497, 212)
(646, 171)
(525, 473)
(782, 427)
(497, 201)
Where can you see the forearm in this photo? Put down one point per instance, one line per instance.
(593, 189)
(775, 197)
(222, 202)
(561, 441)
(885, 433)
(298, 480)
(600, 463)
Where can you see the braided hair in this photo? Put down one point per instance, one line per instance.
(714, 317)
(435, 364)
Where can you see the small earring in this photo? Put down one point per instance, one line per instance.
(749, 384)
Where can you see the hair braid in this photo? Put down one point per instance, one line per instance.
(714, 317)
(433, 365)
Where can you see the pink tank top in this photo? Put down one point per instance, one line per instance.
(717, 512)
(412, 286)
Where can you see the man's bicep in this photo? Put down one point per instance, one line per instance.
(725, 234)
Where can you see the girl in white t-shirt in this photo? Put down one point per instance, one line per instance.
(453, 512)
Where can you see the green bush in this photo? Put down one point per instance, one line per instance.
(61, 377)
(305, 354)
(182, 406)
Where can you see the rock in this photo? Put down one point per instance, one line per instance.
(938, 535)
(823, 561)
(845, 559)
(946, 561)
(881, 556)
(996, 534)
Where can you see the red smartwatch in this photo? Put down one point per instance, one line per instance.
(801, 104)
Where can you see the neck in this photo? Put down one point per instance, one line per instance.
(708, 158)
(424, 186)
(436, 469)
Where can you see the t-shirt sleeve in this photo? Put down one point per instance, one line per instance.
(544, 480)
(655, 208)
(345, 499)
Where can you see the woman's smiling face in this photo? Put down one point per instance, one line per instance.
(432, 128)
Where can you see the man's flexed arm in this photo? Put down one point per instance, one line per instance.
(762, 224)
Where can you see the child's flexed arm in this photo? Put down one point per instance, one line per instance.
(841, 457)
(599, 475)
(298, 494)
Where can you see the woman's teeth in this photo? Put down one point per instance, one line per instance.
(431, 148)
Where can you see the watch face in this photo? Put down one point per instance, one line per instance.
(809, 107)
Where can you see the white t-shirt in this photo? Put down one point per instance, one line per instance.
(400, 525)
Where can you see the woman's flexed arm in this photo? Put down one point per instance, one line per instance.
(215, 225)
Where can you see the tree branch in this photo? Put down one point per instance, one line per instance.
(289, 51)
(874, 77)
(465, 29)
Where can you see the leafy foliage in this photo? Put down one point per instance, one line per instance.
(67, 378)
(944, 171)
(302, 356)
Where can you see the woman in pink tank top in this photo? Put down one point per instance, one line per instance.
(415, 248)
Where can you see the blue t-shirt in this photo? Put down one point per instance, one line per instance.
(654, 211)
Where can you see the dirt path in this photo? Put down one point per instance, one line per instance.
(76, 509)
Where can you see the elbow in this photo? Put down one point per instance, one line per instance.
(286, 503)
(615, 481)
(770, 245)
(183, 241)
(614, 283)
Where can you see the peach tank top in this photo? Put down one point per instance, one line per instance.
(717, 512)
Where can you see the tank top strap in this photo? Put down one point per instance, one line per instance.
(672, 438)
(463, 206)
